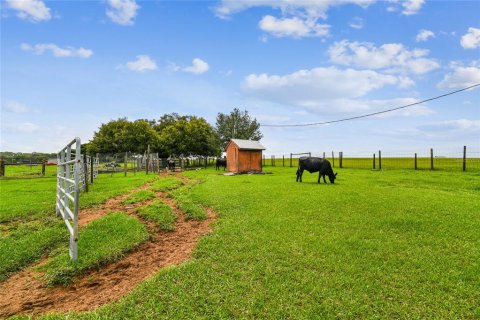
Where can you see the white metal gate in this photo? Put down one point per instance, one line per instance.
(69, 172)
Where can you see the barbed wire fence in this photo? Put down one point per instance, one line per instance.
(461, 159)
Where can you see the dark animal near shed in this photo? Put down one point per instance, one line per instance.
(171, 164)
(221, 162)
(312, 164)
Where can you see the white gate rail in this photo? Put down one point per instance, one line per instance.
(69, 171)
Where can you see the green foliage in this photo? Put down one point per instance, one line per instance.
(238, 125)
(160, 213)
(187, 135)
(122, 136)
(165, 184)
(139, 196)
(104, 240)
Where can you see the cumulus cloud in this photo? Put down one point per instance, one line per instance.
(423, 35)
(15, 107)
(299, 18)
(453, 125)
(68, 52)
(25, 127)
(471, 39)
(411, 7)
(122, 11)
(31, 10)
(141, 64)
(393, 57)
(356, 23)
(461, 76)
(198, 67)
(293, 27)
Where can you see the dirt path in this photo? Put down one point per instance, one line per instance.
(23, 293)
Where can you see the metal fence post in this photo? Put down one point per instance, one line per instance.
(431, 158)
(464, 158)
(85, 171)
(374, 161)
(125, 165)
(379, 160)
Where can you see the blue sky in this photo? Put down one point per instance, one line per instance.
(69, 66)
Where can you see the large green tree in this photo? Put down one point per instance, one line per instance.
(187, 135)
(237, 125)
(122, 135)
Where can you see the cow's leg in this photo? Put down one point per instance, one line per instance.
(324, 181)
(319, 175)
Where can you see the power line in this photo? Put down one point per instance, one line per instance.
(369, 114)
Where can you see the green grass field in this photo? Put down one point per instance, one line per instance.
(29, 227)
(392, 244)
(103, 240)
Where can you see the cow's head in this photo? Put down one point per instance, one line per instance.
(332, 177)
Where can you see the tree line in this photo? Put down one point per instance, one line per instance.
(173, 134)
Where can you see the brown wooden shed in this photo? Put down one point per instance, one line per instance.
(244, 156)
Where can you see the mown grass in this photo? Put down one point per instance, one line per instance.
(166, 184)
(139, 196)
(104, 240)
(389, 245)
(160, 213)
(183, 198)
(24, 244)
(29, 227)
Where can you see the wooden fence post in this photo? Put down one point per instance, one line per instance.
(283, 159)
(43, 168)
(415, 161)
(379, 160)
(92, 159)
(340, 155)
(374, 161)
(290, 160)
(333, 159)
(431, 158)
(464, 158)
(2, 167)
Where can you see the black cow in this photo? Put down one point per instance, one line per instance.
(171, 164)
(221, 162)
(312, 164)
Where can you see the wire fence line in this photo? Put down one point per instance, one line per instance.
(452, 160)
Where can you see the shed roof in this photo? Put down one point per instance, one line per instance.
(247, 144)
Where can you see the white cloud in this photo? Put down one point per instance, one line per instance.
(453, 125)
(122, 11)
(423, 35)
(471, 39)
(461, 76)
(299, 18)
(25, 127)
(57, 51)
(198, 67)
(32, 10)
(356, 23)
(15, 107)
(293, 27)
(411, 7)
(391, 56)
(142, 64)
(313, 9)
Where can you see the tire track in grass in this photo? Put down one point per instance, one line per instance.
(26, 293)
